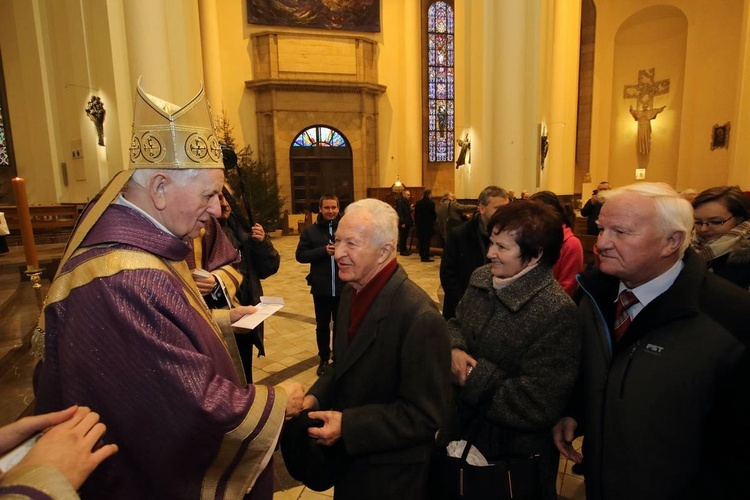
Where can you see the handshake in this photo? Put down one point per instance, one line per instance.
(295, 396)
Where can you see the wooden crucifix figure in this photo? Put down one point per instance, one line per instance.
(644, 92)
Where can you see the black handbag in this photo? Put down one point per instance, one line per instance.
(508, 476)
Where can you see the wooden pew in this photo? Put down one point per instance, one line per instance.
(51, 223)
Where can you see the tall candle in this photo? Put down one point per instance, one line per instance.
(24, 221)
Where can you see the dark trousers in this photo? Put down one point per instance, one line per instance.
(403, 237)
(325, 311)
(424, 244)
(245, 346)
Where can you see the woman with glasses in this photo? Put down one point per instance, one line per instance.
(722, 232)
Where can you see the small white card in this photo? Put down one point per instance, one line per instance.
(266, 308)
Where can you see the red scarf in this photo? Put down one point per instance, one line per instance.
(362, 300)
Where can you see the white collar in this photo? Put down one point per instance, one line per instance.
(648, 291)
(120, 200)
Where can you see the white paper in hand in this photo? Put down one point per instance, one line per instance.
(266, 308)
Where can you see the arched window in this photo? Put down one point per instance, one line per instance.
(440, 82)
(319, 136)
(321, 163)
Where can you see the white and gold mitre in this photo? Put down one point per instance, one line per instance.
(167, 136)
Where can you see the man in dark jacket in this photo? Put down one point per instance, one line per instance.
(405, 222)
(592, 208)
(424, 221)
(466, 248)
(316, 248)
(663, 391)
(388, 390)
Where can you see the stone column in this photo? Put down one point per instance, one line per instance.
(164, 47)
(209, 28)
(505, 149)
(148, 46)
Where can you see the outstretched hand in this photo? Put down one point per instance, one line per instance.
(69, 446)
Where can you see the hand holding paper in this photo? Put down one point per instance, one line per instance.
(266, 308)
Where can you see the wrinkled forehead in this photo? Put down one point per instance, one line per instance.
(629, 205)
(356, 225)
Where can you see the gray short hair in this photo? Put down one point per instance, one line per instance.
(492, 192)
(182, 176)
(673, 212)
(384, 219)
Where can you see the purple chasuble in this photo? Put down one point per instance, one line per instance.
(128, 335)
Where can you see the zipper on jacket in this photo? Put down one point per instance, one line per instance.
(627, 367)
(333, 260)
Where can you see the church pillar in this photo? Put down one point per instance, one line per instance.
(739, 173)
(209, 27)
(505, 149)
(562, 81)
(164, 47)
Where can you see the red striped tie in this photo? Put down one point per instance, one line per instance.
(622, 321)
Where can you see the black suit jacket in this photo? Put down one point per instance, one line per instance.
(425, 216)
(392, 384)
(465, 250)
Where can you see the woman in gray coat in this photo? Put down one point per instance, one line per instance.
(515, 342)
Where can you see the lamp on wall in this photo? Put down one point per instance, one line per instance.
(398, 186)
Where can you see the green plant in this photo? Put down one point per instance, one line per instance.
(257, 177)
(262, 192)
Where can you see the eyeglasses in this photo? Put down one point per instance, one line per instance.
(712, 223)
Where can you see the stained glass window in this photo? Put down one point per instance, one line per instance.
(6, 141)
(440, 82)
(319, 136)
(4, 158)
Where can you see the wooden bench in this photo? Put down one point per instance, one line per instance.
(51, 223)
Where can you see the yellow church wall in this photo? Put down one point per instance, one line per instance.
(27, 86)
(739, 168)
(58, 53)
(680, 151)
(652, 38)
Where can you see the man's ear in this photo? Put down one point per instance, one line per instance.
(157, 190)
(386, 251)
(674, 242)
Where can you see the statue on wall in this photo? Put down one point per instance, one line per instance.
(96, 112)
(644, 92)
(465, 146)
(644, 117)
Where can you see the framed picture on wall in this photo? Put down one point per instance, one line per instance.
(350, 15)
(720, 136)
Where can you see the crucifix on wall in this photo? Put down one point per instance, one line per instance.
(644, 92)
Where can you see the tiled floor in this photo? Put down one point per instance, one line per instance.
(291, 350)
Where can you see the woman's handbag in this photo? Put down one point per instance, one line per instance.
(511, 477)
(508, 476)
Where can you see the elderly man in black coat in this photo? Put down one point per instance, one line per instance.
(665, 363)
(388, 389)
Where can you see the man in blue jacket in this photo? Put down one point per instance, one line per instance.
(316, 248)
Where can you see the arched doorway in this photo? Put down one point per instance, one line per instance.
(320, 159)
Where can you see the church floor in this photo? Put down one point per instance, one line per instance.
(291, 351)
